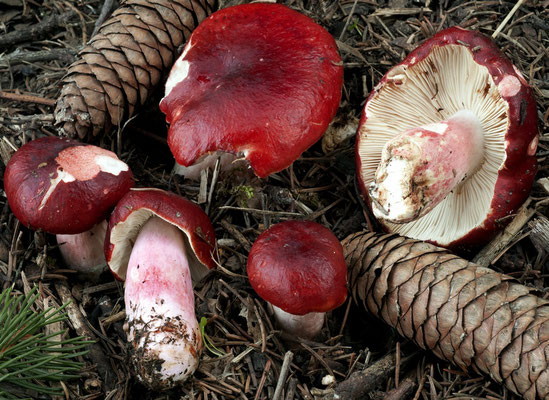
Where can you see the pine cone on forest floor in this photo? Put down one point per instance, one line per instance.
(123, 63)
(469, 315)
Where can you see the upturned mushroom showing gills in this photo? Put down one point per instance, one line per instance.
(67, 188)
(447, 140)
(158, 242)
(299, 268)
(258, 80)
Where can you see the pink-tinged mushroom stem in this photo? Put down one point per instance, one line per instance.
(421, 166)
(84, 252)
(306, 326)
(162, 325)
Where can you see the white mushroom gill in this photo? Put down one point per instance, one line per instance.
(124, 234)
(431, 91)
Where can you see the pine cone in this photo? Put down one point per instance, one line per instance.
(123, 63)
(466, 314)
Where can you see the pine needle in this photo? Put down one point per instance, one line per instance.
(28, 357)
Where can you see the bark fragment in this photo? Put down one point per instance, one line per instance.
(123, 63)
(471, 316)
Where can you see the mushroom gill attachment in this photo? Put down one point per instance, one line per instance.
(257, 79)
(446, 144)
(298, 267)
(473, 317)
(159, 243)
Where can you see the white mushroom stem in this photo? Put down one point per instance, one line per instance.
(161, 321)
(228, 161)
(421, 166)
(84, 252)
(306, 326)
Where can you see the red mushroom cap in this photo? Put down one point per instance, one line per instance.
(260, 79)
(502, 83)
(62, 186)
(137, 206)
(298, 266)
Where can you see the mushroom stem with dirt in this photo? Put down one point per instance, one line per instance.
(446, 144)
(173, 242)
(421, 166)
(298, 267)
(477, 319)
(160, 302)
(68, 189)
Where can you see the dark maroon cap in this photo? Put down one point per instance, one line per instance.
(299, 266)
(62, 186)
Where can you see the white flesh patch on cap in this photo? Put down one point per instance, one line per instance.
(509, 86)
(86, 162)
(110, 165)
(83, 163)
(123, 237)
(434, 89)
(62, 176)
(179, 72)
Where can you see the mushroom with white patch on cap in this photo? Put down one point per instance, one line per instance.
(67, 188)
(159, 243)
(258, 80)
(447, 140)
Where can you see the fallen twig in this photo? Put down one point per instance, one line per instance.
(493, 249)
(360, 383)
(507, 18)
(79, 324)
(36, 31)
(27, 98)
(283, 374)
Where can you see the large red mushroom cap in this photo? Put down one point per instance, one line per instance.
(62, 186)
(298, 266)
(258, 79)
(421, 178)
(133, 211)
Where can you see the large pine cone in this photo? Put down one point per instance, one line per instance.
(123, 63)
(469, 315)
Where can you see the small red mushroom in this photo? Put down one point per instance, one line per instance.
(446, 145)
(256, 79)
(157, 241)
(298, 267)
(67, 188)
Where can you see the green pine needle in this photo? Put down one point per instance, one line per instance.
(28, 357)
(207, 342)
